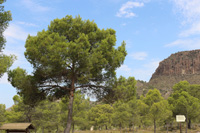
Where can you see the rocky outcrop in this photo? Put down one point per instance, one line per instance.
(182, 63)
(177, 67)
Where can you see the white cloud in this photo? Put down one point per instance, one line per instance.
(146, 71)
(124, 68)
(190, 10)
(125, 10)
(26, 24)
(34, 6)
(139, 55)
(185, 43)
(4, 79)
(16, 36)
(15, 32)
(194, 29)
(143, 73)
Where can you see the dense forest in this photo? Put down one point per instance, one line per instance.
(122, 109)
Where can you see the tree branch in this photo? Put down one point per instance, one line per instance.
(53, 86)
(90, 86)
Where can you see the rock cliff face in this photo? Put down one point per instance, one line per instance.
(177, 67)
(182, 63)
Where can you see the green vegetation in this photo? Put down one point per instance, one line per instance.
(101, 116)
(2, 113)
(184, 103)
(73, 57)
(19, 111)
(6, 61)
(150, 113)
(71, 54)
(5, 17)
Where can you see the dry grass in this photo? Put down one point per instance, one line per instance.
(139, 131)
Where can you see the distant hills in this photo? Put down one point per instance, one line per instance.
(177, 67)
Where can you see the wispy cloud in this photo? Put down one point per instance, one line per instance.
(185, 43)
(143, 73)
(124, 68)
(125, 10)
(190, 11)
(139, 55)
(146, 71)
(193, 30)
(125, 71)
(26, 24)
(34, 6)
(15, 32)
(188, 8)
(16, 36)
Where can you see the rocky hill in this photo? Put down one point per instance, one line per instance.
(177, 67)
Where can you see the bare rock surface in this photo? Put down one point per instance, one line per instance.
(177, 67)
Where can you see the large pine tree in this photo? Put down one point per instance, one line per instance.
(73, 54)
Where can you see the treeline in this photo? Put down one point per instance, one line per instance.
(120, 108)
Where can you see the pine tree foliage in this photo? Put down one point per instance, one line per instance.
(6, 61)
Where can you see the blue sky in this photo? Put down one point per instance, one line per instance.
(152, 29)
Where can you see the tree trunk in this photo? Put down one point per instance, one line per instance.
(70, 110)
(73, 128)
(133, 128)
(57, 130)
(186, 123)
(167, 127)
(171, 125)
(154, 126)
(189, 124)
(120, 128)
